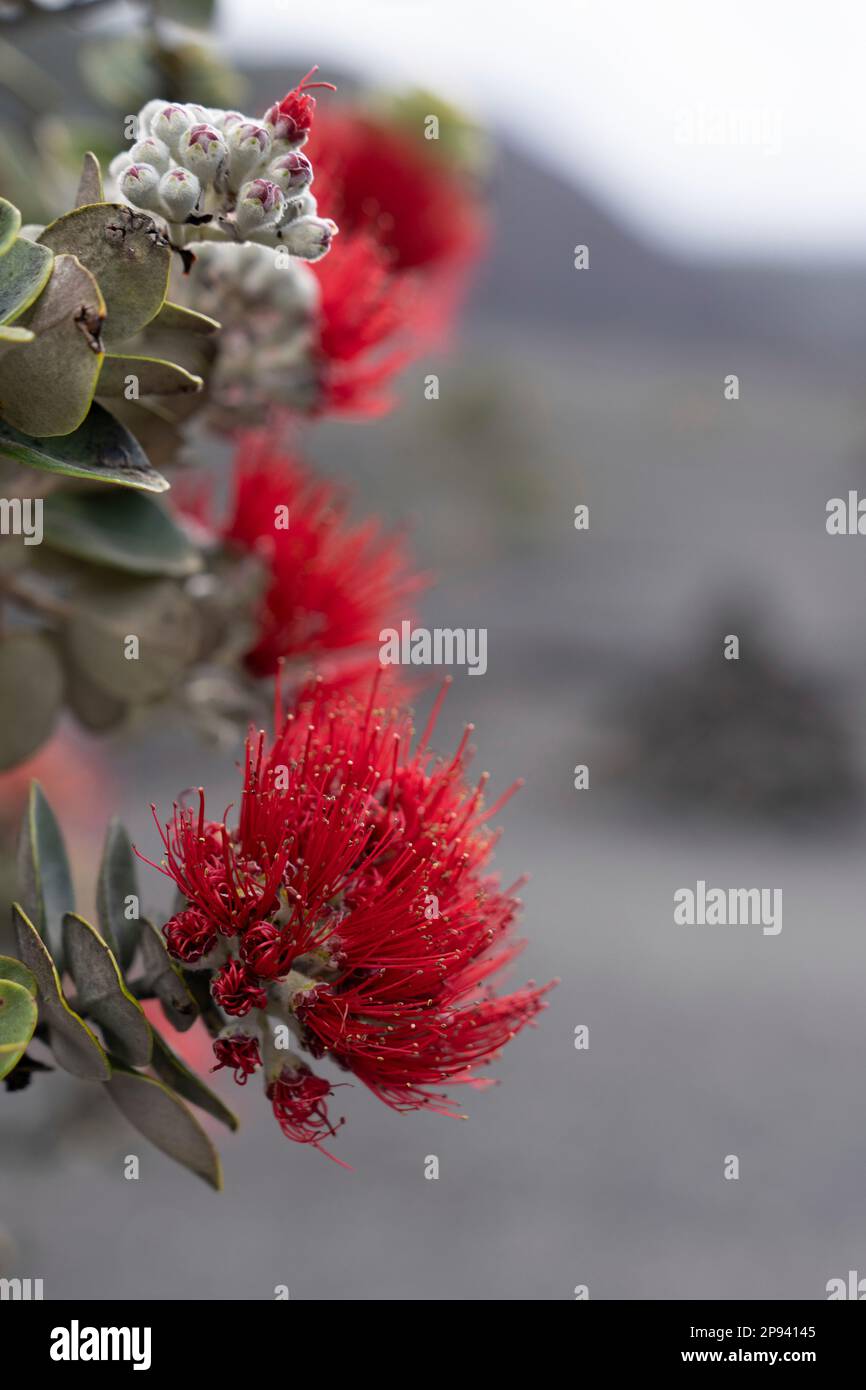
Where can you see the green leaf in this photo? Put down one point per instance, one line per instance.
(103, 996)
(152, 376)
(158, 614)
(170, 1069)
(177, 317)
(45, 883)
(31, 695)
(24, 273)
(18, 1015)
(118, 881)
(126, 253)
(164, 978)
(10, 224)
(75, 1047)
(90, 183)
(48, 389)
(122, 530)
(17, 972)
(163, 1118)
(101, 449)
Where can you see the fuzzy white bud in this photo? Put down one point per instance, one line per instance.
(146, 115)
(169, 123)
(249, 146)
(140, 184)
(180, 191)
(260, 205)
(202, 150)
(119, 163)
(151, 151)
(292, 172)
(307, 237)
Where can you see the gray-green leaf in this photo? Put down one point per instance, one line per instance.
(177, 317)
(90, 182)
(75, 1047)
(117, 883)
(122, 530)
(161, 975)
(162, 1117)
(126, 253)
(24, 272)
(103, 996)
(101, 450)
(47, 388)
(170, 1069)
(153, 376)
(10, 225)
(45, 882)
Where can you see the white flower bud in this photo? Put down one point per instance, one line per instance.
(119, 163)
(140, 184)
(169, 123)
(292, 172)
(202, 150)
(249, 145)
(151, 151)
(307, 237)
(229, 119)
(260, 205)
(304, 206)
(180, 191)
(146, 115)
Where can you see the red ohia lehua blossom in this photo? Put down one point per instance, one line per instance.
(377, 180)
(370, 323)
(411, 232)
(292, 117)
(333, 585)
(354, 911)
(240, 1053)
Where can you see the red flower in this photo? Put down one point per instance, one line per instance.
(373, 177)
(375, 903)
(240, 1051)
(371, 323)
(292, 117)
(410, 233)
(333, 586)
(298, 1101)
(190, 935)
(236, 991)
(267, 951)
(228, 889)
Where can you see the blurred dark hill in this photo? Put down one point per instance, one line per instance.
(540, 217)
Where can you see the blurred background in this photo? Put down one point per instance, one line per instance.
(711, 163)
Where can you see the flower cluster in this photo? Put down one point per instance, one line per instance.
(351, 912)
(311, 343)
(222, 176)
(332, 338)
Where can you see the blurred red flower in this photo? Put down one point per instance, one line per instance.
(333, 584)
(410, 233)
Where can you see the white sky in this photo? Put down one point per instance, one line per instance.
(733, 127)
